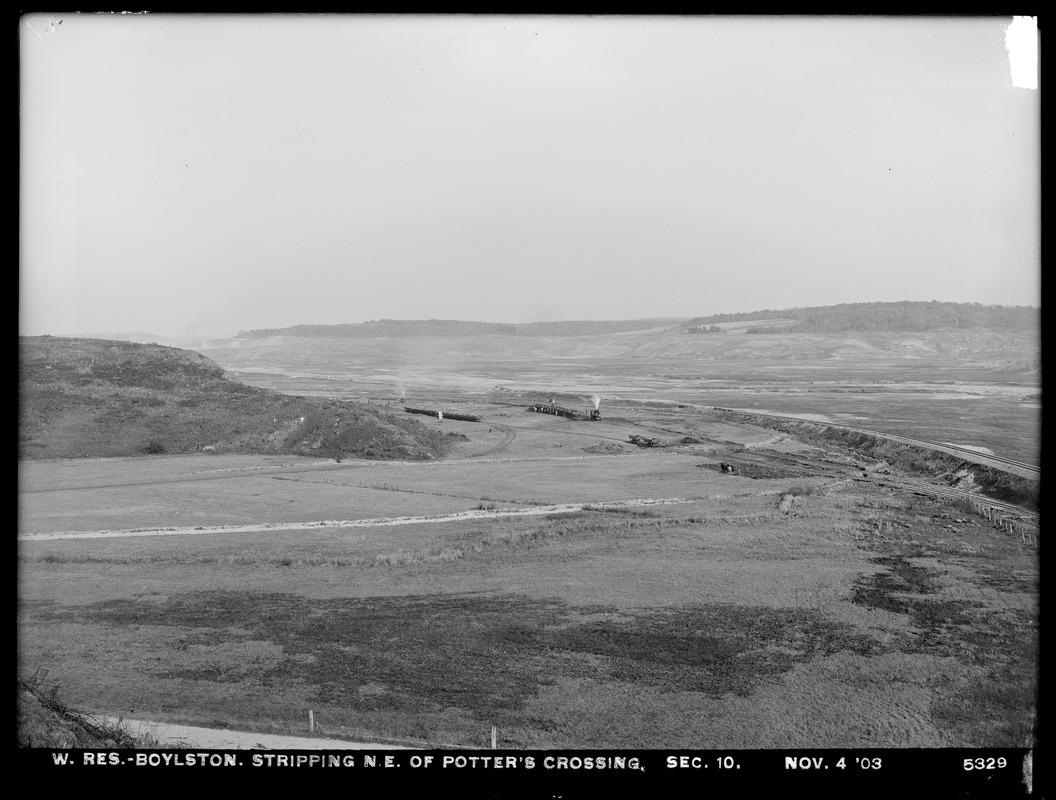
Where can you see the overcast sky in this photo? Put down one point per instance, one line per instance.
(204, 174)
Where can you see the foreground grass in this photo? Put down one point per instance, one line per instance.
(44, 720)
(861, 621)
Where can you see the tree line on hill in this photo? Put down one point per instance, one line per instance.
(898, 316)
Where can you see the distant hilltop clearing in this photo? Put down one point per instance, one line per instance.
(908, 316)
(89, 398)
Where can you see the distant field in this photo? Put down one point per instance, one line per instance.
(855, 615)
(1001, 416)
(976, 387)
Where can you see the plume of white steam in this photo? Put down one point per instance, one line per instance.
(439, 414)
(596, 401)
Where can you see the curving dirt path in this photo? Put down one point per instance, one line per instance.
(533, 511)
(507, 440)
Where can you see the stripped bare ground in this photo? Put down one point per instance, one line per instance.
(641, 599)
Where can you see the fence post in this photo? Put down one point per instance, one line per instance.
(493, 737)
(311, 721)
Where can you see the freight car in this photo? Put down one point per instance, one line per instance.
(462, 417)
(442, 414)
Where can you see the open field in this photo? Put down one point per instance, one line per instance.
(801, 601)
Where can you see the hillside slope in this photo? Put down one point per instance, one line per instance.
(97, 398)
(1012, 351)
(898, 316)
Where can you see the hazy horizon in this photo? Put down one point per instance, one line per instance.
(197, 175)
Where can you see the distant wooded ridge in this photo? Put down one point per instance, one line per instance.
(900, 316)
(448, 327)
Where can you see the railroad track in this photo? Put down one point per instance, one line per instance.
(1000, 459)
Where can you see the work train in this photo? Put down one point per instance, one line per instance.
(561, 411)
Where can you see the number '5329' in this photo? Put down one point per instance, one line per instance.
(985, 763)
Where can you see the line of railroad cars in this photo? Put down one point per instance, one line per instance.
(561, 411)
(442, 414)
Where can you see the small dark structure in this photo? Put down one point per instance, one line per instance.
(729, 469)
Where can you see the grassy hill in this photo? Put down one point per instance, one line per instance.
(900, 316)
(98, 398)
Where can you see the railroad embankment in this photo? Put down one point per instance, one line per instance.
(902, 454)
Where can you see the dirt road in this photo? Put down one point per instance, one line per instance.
(533, 511)
(213, 739)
